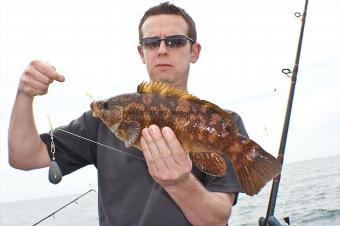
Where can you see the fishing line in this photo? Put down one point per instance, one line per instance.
(55, 174)
(87, 139)
(106, 146)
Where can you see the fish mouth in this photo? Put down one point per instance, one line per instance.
(94, 108)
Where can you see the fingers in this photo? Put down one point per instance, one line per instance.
(37, 77)
(160, 155)
(177, 150)
(148, 157)
(154, 154)
(47, 70)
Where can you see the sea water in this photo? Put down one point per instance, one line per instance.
(309, 194)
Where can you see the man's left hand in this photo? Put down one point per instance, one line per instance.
(167, 161)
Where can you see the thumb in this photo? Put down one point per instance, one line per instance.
(61, 78)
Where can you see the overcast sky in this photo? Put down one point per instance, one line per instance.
(245, 44)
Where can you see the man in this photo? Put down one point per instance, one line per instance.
(167, 189)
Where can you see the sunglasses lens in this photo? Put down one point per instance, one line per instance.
(151, 43)
(176, 41)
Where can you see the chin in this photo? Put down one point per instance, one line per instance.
(163, 78)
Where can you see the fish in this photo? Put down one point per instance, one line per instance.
(206, 131)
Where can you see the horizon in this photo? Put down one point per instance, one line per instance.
(307, 194)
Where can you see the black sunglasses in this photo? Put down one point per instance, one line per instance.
(173, 41)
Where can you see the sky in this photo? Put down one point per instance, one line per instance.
(245, 44)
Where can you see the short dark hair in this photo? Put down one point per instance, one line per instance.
(169, 9)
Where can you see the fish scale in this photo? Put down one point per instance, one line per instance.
(206, 132)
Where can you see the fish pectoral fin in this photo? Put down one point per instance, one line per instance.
(209, 162)
(117, 114)
(132, 130)
(114, 127)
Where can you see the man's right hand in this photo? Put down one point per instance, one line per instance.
(37, 77)
(25, 148)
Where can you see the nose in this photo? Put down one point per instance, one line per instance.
(162, 50)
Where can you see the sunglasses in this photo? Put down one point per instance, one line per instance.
(173, 41)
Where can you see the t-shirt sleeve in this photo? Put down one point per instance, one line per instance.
(228, 182)
(72, 152)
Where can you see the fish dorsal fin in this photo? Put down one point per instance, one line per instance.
(164, 89)
(209, 162)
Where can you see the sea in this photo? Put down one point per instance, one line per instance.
(309, 194)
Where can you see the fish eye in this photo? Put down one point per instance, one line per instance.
(105, 106)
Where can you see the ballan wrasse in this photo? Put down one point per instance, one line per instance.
(205, 131)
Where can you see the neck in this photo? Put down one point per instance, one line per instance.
(178, 85)
(182, 87)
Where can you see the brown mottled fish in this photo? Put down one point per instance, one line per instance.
(205, 131)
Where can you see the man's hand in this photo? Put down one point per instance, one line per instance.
(37, 77)
(30, 152)
(170, 166)
(167, 161)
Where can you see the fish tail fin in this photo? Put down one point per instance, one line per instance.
(254, 166)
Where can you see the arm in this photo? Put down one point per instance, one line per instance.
(200, 206)
(171, 167)
(25, 149)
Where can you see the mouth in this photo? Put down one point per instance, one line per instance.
(163, 65)
(95, 115)
(94, 109)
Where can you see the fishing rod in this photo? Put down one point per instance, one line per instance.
(74, 200)
(293, 77)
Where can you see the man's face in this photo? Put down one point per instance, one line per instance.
(168, 64)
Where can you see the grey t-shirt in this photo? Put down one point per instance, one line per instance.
(127, 194)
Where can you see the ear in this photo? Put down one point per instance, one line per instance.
(141, 54)
(196, 49)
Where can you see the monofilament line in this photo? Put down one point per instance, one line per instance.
(106, 146)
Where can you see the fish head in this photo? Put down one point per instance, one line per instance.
(109, 111)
